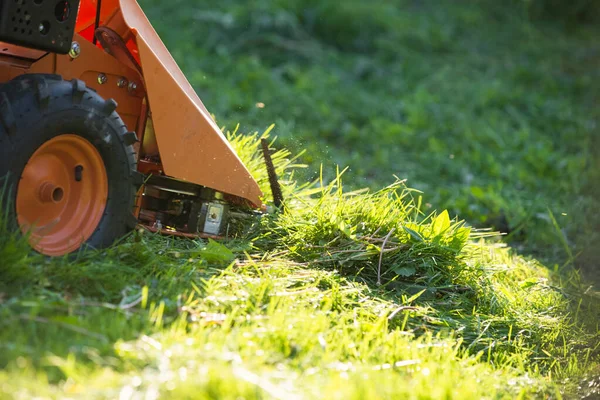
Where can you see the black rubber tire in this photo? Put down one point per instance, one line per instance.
(35, 108)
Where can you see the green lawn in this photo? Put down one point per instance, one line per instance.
(491, 116)
(350, 293)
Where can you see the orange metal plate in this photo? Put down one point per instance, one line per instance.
(191, 145)
(88, 66)
(7, 49)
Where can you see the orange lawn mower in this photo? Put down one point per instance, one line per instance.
(100, 131)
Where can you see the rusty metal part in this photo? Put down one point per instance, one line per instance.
(11, 67)
(147, 215)
(8, 49)
(149, 167)
(170, 232)
(114, 45)
(273, 181)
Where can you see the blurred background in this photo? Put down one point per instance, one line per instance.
(488, 107)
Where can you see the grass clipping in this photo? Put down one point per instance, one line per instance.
(510, 310)
(344, 295)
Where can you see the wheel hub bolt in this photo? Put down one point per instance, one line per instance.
(50, 193)
(122, 82)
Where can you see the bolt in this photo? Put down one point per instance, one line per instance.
(75, 50)
(132, 86)
(122, 82)
(49, 193)
(102, 79)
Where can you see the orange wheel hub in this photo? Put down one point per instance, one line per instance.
(62, 195)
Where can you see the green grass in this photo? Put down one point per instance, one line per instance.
(492, 116)
(345, 295)
(360, 289)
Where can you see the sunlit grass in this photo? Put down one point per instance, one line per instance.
(494, 117)
(345, 295)
(364, 287)
(274, 329)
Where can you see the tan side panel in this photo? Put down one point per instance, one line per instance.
(192, 147)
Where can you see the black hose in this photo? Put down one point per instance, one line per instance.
(97, 22)
(275, 188)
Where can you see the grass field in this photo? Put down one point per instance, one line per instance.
(378, 282)
(492, 117)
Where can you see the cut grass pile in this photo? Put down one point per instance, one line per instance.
(494, 117)
(345, 295)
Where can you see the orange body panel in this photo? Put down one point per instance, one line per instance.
(11, 67)
(88, 68)
(192, 147)
(8, 49)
